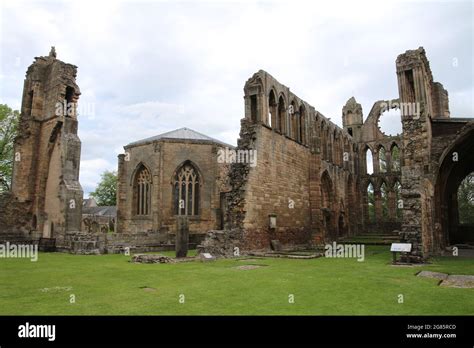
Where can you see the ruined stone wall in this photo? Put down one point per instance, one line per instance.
(303, 178)
(163, 158)
(440, 101)
(386, 175)
(47, 150)
(15, 219)
(278, 185)
(415, 83)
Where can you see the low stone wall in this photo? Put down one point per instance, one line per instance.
(114, 243)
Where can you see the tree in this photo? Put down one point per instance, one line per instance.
(8, 130)
(106, 191)
(466, 200)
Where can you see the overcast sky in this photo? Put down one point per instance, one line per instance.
(148, 67)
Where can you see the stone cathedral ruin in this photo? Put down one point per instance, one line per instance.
(309, 185)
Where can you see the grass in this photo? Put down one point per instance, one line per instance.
(110, 285)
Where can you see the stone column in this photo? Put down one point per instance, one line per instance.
(182, 236)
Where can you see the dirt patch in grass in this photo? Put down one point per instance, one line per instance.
(248, 267)
(57, 289)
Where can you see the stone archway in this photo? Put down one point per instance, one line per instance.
(456, 163)
(341, 226)
(327, 207)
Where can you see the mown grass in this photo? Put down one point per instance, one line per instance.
(110, 285)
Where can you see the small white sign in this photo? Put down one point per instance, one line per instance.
(401, 247)
(207, 256)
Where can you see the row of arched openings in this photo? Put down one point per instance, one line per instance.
(289, 120)
(334, 145)
(386, 204)
(384, 165)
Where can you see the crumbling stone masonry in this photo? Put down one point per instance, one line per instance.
(300, 191)
(438, 154)
(308, 183)
(385, 179)
(311, 182)
(168, 176)
(46, 197)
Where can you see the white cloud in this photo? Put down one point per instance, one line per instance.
(153, 66)
(91, 171)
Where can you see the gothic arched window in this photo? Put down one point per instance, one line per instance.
(369, 165)
(370, 202)
(382, 160)
(186, 190)
(142, 191)
(395, 158)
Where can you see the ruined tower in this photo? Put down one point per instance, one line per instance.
(47, 151)
(352, 118)
(418, 92)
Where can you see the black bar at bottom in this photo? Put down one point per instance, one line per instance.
(209, 330)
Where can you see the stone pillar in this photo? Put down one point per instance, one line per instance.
(414, 78)
(182, 236)
(378, 205)
(46, 175)
(392, 205)
(121, 193)
(315, 190)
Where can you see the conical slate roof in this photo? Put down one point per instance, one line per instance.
(181, 134)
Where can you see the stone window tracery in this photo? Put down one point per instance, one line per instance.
(186, 191)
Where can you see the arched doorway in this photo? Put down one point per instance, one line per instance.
(457, 162)
(327, 206)
(341, 226)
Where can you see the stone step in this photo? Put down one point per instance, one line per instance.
(376, 235)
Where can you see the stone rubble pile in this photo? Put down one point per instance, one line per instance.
(221, 243)
(151, 258)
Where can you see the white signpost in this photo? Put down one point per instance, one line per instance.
(401, 248)
(207, 257)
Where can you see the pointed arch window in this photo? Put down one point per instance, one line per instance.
(272, 107)
(384, 198)
(281, 118)
(398, 196)
(371, 202)
(186, 190)
(142, 191)
(302, 126)
(293, 124)
(369, 166)
(395, 158)
(382, 160)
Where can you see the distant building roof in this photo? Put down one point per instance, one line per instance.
(89, 202)
(101, 211)
(181, 134)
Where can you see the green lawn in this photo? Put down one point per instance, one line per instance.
(109, 284)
